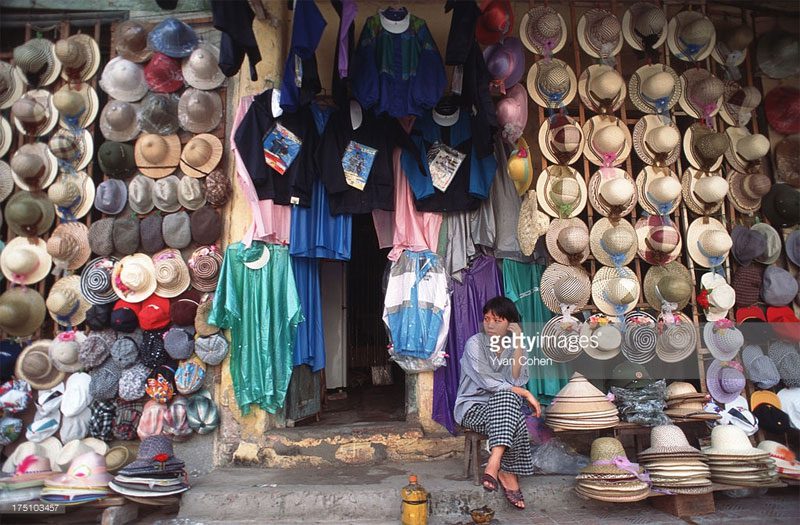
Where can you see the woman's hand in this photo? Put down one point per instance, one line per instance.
(534, 404)
(515, 328)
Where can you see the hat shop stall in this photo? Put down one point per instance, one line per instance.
(628, 173)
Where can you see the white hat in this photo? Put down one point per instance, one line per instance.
(708, 242)
(721, 296)
(655, 88)
(659, 190)
(745, 149)
(76, 394)
(657, 140)
(615, 291)
(134, 278)
(602, 88)
(612, 192)
(608, 140)
(123, 80)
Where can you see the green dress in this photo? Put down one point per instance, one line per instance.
(521, 285)
(262, 309)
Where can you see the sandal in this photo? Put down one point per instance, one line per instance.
(513, 496)
(492, 482)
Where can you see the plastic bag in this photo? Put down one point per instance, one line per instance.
(415, 365)
(644, 405)
(554, 457)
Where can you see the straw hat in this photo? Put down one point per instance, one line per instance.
(669, 439)
(204, 267)
(12, 83)
(73, 147)
(731, 49)
(134, 278)
(25, 260)
(131, 41)
(659, 241)
(34, 114)
(640, 339)
(29, 214)
(568, 241)
(654, 89)
(543, 30)
(722, 339)
(22, 311)
(704, 148)
(77, 105)
(201, 155)
(659, 190)
(157, 156)
(563, 285)
(708, 242)
(201, 68)
(561, 192)
(579, 390)
(33, 167)
(560, 342)
(117, 457)
(6, 180)
(79, 56)
(5, 136)
(721, 296)
(65, 303)
(612, 192)
(746, 190)
(613, 243)
(68, 245)
(72, 195)
(532, 223)
(615, 291)
(731, 441)
(123, 80)
(605, 337)
(96, 281)
(37, 61)
(644, 25)
(691, 36)
(34, 366)
(119, 121)
(552, 84)
(677, 341)
(604, 451)
(561, 139)
(63, 351)
(745, 149)
(608, 140)
(199, 111)
(701, 93)
(703, 192)
(657, 140)
(738, 103)
(172, 274)
(600, 33)
(671, 283)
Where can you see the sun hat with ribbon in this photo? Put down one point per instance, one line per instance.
(708, 242)
(748, 244)
(157, 156)
(6, 136)
(613, 243)
(111, 196)
(659, 241)
(22, 311)
(543, 31)
(780, 206)
(760, 369)
(133, 278)
(29, 214)
(68, 245)
(725, 380)
(738, 103)
(716, 296)
(79, 56)
(778, 54)
(64, 350)
(33, 167)
(561, 139)
(654, 88)
(173, 37)
(119, 121)
(65, 303)
(602, 88)
(701, 94)
(140, 194)
(606, 334)
(495, 22)
(131, 41)
(77, 105)
(531, 224)
(731, 49)
(659, 190)
(644, 26)
(608, 457)
(615, 291)
(96, 281)
(73, 195)
(723, 339)
(745, 190)
(30, 472)
(612, 192)
(552, 84)
(12, 83)
(668, 288)
(204, 267)
(201, 68)
(568, 241)
(657, 140)
(703, 192)
(691, 36)
(199, 111)
(505, 62)
(25, 260)
(37, 61)
(704, 148)
(172, 274)
(201, 155)
(600, 34)
(512, 114)
(163, 74)
(123, 80)
(211, 349)
(158, 113)
(608, 141)
(520, 167)
(561, 191)
(34, 366)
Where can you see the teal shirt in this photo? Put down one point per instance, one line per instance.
(262, 309)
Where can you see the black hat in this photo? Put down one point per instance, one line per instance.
(630, 375)
(98, 316)
(771, 418)
(152, 351)
(124, 320)
(781, 206)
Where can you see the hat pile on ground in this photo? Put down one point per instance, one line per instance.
(674, 465)
(734, 461)
(155, 473)
(85, 481)
(683, 401)
(611, 476)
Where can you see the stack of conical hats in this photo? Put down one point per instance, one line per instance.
(673, 464)
(611, 477)
(579, 406)
(683, 401)
(734, 461)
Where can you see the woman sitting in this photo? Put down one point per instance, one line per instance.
(490, 396)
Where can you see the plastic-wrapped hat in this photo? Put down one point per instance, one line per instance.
(201, 69)
(494, 23)
(199, 111)
(79, 56)
(505, 62)
(159, 114)
(37, 61)
(602, 88)
(543, 30)
(600, 33)
(691, 36)
(12, 84)
(778, 54)
(173, 38)
(131, 41)
(33, 167)
(34, 114)
(163, 74)
(119, 121)
(655, 88)
(77, 105)
(123, 80)
(552, 84)
(201, 155)
(644, 26)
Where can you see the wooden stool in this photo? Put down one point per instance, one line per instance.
(472, 455)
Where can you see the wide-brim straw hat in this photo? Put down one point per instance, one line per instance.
(559, 341)
(6, 181)
(87, 48)
(22, 311)
(549, 139)
(199, 111)
(777, 54)
(717, 185)
(677, 48)
(608, 334)
(669, 439)
(675, 270)
(5, 136)
(146, 277)
(663, 230)
(201, 68)
(640, 76)
(557, 251)
(96, 281)
(172, 274)
(731, 48)
(16, 83)
(676, 342)
(690, 139)
(34, 366)
(22, 201)
(117, 457)
(31, 53)
(731, 441)
(629, 22)
(85, 200)
(640, 339)
(530, 25)
(645, 125)
(603, 450)
(532, 223)
(754, 145)
(612, 29)
(48, 160)
(34, 251)
(91, 104)
(551, 277)
(745, 190)
(82, 139)
(119, 70)
(636, 491)
(615, 284)
(50, 448)
(78, 447)
(110, 124)
(201, 155)
(644, 181)
(157, 156)
(696, 229)
(63, 351)
(598, 247)
(596, 125)
(540, 97)
(599, 200)
(592, 99)
(738, 103)
(204, 267)
(689, 79)
(68, 245)
(68, 288)
(552, 175)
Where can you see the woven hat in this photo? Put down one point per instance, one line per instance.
(176, 230)
(211, 349)
(671, 283)
(721, 296)
(608, 140)
(747, 245)
(564, 286)
(669, 439)
(561, 192)
(116, 159)
(607, 337)
(25, 260)
(612, 192)
(677, 341)
(701, 93)
(201, 155)
(659, 190)
(724, 380)
(659, 241)
(561, 139)
(520, 168)
(157, 156)
(615, 291)
(201, 68)
(722, 339)
(731, 48)
(204, 267)
(119, 121)
(600, 33)
(123, 80)
(543, 30)
(532, 223)
(73, 195)
(68, 245)
(703, 192)
(163, 74)
(77, 105)
(6, 181)
(708, 242)
(111, 196)
(172, 274)
(604, 451)
(654, 89)
(730, 440)
(657, 140)
(640, 339)
(761, 370)
(173, 37)
(512, 113)
(505, 62)
(6, 137)
(568, 241)
(644, 26)
(33, 167)
(199, 111)
(64, 350)
(79, 56)
(777, 54)
(206, 226)
(159, 114)
(12, 82)
(579, 391)
(96, 281)
(201, 326)
(37, 61)
(787, 361)
(134, 278)
(218, 188)
(738, 103)
(704, 148)
(552, 84)
(105, 380)
(746, 190)
(781, 206)
(29, 214)
(691, 36)
(35, 367)
(101, 239)
(140, 194)
(131, 41)
(613, 243)
(779, 288)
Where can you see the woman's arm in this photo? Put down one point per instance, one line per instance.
(516, 366)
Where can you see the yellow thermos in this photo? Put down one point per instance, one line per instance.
(415, 503)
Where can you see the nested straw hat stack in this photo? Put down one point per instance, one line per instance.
(734, 461)
(581, 405)
(611, 476)
(684, 401)
(673, 464)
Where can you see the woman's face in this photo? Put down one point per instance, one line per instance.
(494, 325)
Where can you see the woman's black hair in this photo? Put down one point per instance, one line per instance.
(502, 307)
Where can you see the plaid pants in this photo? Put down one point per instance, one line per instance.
(502, 420)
